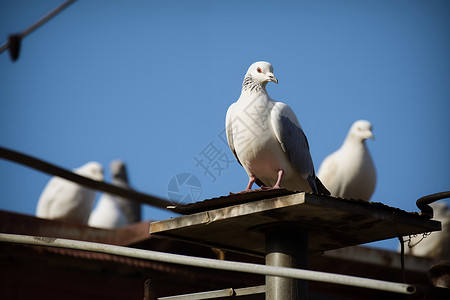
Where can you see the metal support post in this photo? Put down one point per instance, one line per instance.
(149, 290)
(286, 247)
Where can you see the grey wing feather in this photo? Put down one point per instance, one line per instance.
(293, 141)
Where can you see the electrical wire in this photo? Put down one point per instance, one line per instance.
(14, 39)
(402, 258)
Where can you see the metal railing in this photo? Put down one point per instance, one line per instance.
(394, 287)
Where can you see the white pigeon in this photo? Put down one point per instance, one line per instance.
(266, 138)
(436, 244)
(113, 211)
(64, 200)
(107, 214)
(349, 172)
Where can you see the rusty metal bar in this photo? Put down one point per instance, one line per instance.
(202, 295)
(422, 203)
(233, 293)
(211, 263)
(87, 182)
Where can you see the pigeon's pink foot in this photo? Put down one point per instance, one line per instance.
(268, 188)
(241, 192)
(280, 177)
(251, 181)
(277, 184)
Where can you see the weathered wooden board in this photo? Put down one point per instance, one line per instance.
(332, 223)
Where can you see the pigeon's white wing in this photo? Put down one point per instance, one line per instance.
(229, 130)
(230, 138)
(78, 205)
(48, 196)
(107, 214)
(65, 200)
(293, 141)
(57, 199)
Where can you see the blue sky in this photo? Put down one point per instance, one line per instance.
(150, 82)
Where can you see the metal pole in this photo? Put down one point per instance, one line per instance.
(286, 247)
(211, 263)
(149, 290)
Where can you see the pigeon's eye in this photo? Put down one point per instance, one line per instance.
(259, 70)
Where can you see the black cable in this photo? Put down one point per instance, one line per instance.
(87, 182)
(16, 38)
(402, 258)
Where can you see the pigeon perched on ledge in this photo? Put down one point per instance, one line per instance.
(115, 211)
(64, 200)
(266, 138)
(349, 172)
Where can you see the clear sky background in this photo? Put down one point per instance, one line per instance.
(150, 82)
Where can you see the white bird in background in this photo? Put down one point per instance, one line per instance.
(349, 172)
(113, 211)
(266, 138)
(437, 244)
(68, 201)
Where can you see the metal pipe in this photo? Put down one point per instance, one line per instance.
(225, 293)
(211, 263)
(286, 246)
(423, 202)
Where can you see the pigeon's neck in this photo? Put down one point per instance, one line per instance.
(251, 86)
(353, 140)
(119, 182)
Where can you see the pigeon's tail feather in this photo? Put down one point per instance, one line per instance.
(312, 184)
(321, 189)
(260, 183)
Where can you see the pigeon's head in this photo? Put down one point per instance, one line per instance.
(362, 130)
(259, 74)
(92, 170)
(118, 170)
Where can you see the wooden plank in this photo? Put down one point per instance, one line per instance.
(332, 222)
